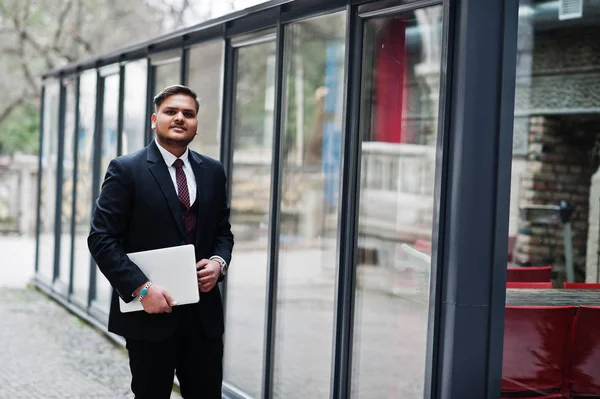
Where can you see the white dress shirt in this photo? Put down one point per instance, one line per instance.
(189, 176)
(187, 169)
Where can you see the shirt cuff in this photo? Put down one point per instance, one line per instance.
(220, 260)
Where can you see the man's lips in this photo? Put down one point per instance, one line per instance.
(178, 127)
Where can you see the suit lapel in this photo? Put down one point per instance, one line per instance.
(201, 195)
(159, 170)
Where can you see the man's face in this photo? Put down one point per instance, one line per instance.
(175, 121)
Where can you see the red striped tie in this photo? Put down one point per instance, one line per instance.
(182, 187)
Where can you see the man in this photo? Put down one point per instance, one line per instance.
(162, 196)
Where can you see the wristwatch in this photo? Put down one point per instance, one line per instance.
(221, 262)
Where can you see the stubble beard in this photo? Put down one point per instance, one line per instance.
(174, 143)
(181, 143)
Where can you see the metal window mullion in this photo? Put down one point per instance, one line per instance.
(149, 91)
(226, 149)
(274, 216)
(299, 11)
(183, 65)
(346, 276)
(121, 110)
(75, 175)
(59, 180)
(473, 229)
(39, 178)
(440, 208)
(504, 145)
(100, 83)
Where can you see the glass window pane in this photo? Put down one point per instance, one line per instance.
(400, 96)
(310, 187)
(166, 75)
(67, 188)
(134, 106)
(108, 152)
(554, 225)
(85, 151)
(205, 78)
(49, 154)
(250, 199)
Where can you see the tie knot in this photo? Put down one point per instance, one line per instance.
(178, 163)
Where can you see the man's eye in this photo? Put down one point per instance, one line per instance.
(188, 115)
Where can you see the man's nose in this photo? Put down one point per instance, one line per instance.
(179, 116)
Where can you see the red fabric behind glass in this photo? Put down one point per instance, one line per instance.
(529, 274)
(536, 342)
(390, 79)
(585, 353)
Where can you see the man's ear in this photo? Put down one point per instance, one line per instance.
(153, 121)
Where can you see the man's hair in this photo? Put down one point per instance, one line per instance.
(171, 91)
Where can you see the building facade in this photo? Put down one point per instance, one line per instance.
(382, 156)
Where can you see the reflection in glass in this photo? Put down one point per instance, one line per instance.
(108, 152)
(205, 78)
(555, 203)
(134, 106)
(166, 75)
(401, 83)
(67, 188)
(310, 184)
(250, 199)
(49, 152)
(85, 150)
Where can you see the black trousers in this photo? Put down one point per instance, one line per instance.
(195, 358)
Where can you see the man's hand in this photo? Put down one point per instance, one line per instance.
(156, 300)
(208, 273)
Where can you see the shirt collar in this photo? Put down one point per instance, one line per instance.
(170, 158)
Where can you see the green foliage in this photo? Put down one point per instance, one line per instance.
(20, 131)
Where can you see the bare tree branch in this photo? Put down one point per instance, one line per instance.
(12, 106)
(10, 51)
(61, 22)
(41, 50)
(86, 45)
(33, 85)
(27, 9)
(37, 35)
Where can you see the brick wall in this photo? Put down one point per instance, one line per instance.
(560, 165)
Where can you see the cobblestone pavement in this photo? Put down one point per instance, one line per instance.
(46, 352)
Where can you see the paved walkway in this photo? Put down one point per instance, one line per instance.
(46, 352)
(18, 259)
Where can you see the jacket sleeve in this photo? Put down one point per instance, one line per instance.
(109, 225)
(224, 236)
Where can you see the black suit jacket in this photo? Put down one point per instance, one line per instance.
(138, 210)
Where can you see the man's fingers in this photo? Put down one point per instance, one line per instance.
(166, 305)
(205, 280)
(203, 273)
(170, 301)
(202, 263)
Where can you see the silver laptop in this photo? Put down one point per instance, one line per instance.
(172, 268)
